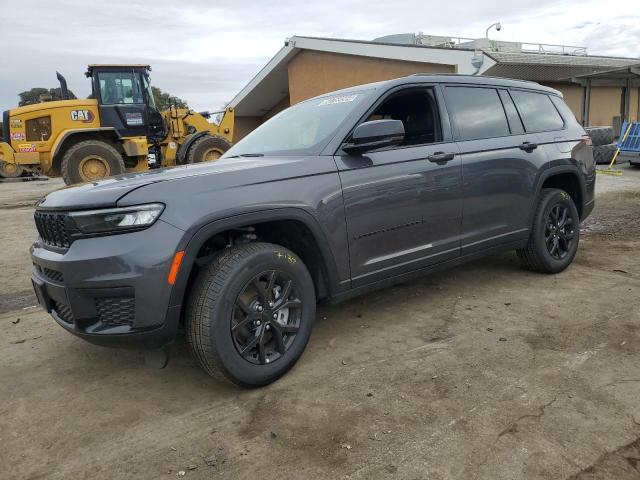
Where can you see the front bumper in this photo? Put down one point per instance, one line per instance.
(111, 290)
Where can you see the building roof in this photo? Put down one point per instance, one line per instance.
(271, 84)
(551, 67)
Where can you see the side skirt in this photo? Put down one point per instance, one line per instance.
(421, 272)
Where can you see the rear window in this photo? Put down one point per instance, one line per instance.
(537, 111)
(478, 112)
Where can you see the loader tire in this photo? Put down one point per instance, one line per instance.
(208, 148)
(10, 170)
(600, 135)
(90, 161)
(603, 154)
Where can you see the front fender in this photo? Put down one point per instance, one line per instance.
(64, 134)
(193, 241)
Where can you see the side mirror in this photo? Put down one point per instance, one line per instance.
(375, 134)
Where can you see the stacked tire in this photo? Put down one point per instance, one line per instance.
(604, 147)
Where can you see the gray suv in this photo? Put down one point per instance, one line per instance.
(331, 198)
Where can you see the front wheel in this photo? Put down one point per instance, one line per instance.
(555, 233)
(250, 313)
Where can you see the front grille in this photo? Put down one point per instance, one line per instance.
(52, 228)
(53, 275)
(116, 310)
(64, 311)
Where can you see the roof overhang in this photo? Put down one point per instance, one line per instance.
(271, 84)
(619, 77)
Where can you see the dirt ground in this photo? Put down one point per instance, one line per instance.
(485, 371)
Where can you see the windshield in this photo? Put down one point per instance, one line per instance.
(125, 87)
(303, 129)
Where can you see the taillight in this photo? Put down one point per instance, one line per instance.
(586, 139)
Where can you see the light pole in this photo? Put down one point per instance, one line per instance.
(498, 28)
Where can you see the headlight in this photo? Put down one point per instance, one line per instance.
(114, 220)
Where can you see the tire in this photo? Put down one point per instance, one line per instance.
(213, 309)
(90, 161)
(600, 135)
(603, 154)
(536, 255)
(10, 170)
(207, 149)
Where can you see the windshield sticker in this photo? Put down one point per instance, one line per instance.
(340, 99)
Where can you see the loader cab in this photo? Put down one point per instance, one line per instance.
(125, 100)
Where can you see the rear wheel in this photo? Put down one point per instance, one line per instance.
(555, 233)
(250, 313)
(208, 148)
(10, 170)
(90, 161)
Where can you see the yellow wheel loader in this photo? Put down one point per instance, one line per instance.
(117, 129)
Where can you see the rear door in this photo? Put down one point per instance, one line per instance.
(500, 162)
(541, 117)
(403, 204)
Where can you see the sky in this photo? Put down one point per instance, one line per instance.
(205, 51)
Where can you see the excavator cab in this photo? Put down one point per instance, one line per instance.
(125, 100)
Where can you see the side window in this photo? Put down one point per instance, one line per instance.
(417, 110)
(515, 124)
(477, 112)
(537, 111)
(564, 109)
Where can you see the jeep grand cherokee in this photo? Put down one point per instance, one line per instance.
(331, 198)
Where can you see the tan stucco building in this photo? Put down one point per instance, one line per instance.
(306, 67)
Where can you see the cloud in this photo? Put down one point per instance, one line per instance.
(207, 51)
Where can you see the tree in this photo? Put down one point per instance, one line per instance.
(164, 100)
(29, 97)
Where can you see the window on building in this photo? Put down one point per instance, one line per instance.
(417, 110)
(477, 112)
(537, 111)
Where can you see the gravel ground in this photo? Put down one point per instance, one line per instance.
(485, 371)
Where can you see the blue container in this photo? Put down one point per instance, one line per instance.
(630, 142)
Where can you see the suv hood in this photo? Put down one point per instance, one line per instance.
(224, 173)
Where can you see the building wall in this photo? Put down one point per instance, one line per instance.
(605, 104)
(244, 125)
(284, 103)
(313, 73)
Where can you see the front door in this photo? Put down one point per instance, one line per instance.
(403, 204)
(122, 103)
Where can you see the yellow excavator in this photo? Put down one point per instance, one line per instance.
(116, 130)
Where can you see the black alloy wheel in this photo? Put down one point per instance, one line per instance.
(266, 317)
(559, 232)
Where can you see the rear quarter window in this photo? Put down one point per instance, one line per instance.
(477, 112)
(537, 111)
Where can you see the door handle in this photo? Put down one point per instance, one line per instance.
(440, 157)
(528, 146)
